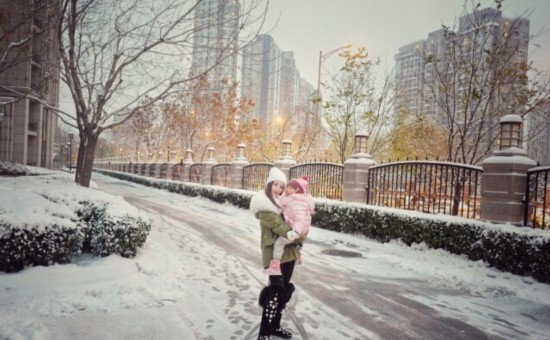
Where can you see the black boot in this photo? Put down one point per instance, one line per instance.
(282, 333)
(278, 330)
(270, 300)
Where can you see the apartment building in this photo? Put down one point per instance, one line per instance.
(29, 81)
(538, 132)
(434, 76)
(214, 41)
(261, 78)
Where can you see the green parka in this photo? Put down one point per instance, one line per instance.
(272, 225)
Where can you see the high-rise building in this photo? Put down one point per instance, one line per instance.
(538, 130)
(261, 78)
(290, 82)
(29, 76)
(272, 80)
(409, 69)
(215, 42)
(441, 72)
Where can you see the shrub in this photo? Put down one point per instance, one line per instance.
(44, 246)
(81, 220)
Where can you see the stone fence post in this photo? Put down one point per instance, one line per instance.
(285, 162)
(206, 171)
(505, 176)
(237, 165)
(356, 170)
(187, 162)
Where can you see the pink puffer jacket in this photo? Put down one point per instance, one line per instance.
(297, 210)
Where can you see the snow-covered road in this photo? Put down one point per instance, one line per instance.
(198, 277)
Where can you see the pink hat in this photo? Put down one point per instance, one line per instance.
(300, 184)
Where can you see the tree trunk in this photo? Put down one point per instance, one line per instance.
(86, 154)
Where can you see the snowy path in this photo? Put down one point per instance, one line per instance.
(198, 277)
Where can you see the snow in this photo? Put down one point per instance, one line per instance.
(185, 283)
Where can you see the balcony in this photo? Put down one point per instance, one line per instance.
(36, 61)
(33, 126)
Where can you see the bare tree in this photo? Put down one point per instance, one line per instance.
(121, 56)
(355, 103)
(477, 73)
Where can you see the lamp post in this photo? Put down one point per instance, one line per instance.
(510, 131)
(71, 135)
(322, 58)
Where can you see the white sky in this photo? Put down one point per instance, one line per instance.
(187, 284)
(382, 26)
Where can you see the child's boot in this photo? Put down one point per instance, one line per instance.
(274, 267)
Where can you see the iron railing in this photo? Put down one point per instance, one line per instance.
(221, 175)
(325, 180)
(428, 186)
(163, 170)
(255, 175)
(195, 173)
(152, 169)
(537, 198)
(177, 172)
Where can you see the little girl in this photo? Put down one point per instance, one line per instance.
(297, 207)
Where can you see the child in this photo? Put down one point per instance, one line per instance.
(297, 207)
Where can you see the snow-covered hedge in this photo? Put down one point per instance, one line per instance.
(521, 251)
(46, 219)
(12, 169)
(36, 246)
(106, 234)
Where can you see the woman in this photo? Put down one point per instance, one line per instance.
(273, 298)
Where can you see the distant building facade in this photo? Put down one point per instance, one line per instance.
(261, 78)
(30, 82)
(272, 80)
(538, 132)
(214, 41)
(409, 69)
(416, 75)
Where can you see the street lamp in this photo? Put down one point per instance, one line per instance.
(322, 58)
(71, 135)
(510, 131)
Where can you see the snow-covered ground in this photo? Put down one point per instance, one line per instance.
(198, 277)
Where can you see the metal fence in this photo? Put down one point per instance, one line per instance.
(255, 175)
(177, 172)
(221, 174)
(152, 169)
(163, 170)
(325, 180)
(195, 173)
(537, 194)
(428, 186)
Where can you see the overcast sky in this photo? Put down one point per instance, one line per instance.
(307, 27)
(382, 26)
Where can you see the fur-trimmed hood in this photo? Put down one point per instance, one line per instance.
(260, 202)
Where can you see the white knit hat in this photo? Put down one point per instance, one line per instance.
(275, 174)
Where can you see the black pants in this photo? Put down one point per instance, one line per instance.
(274, 298)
